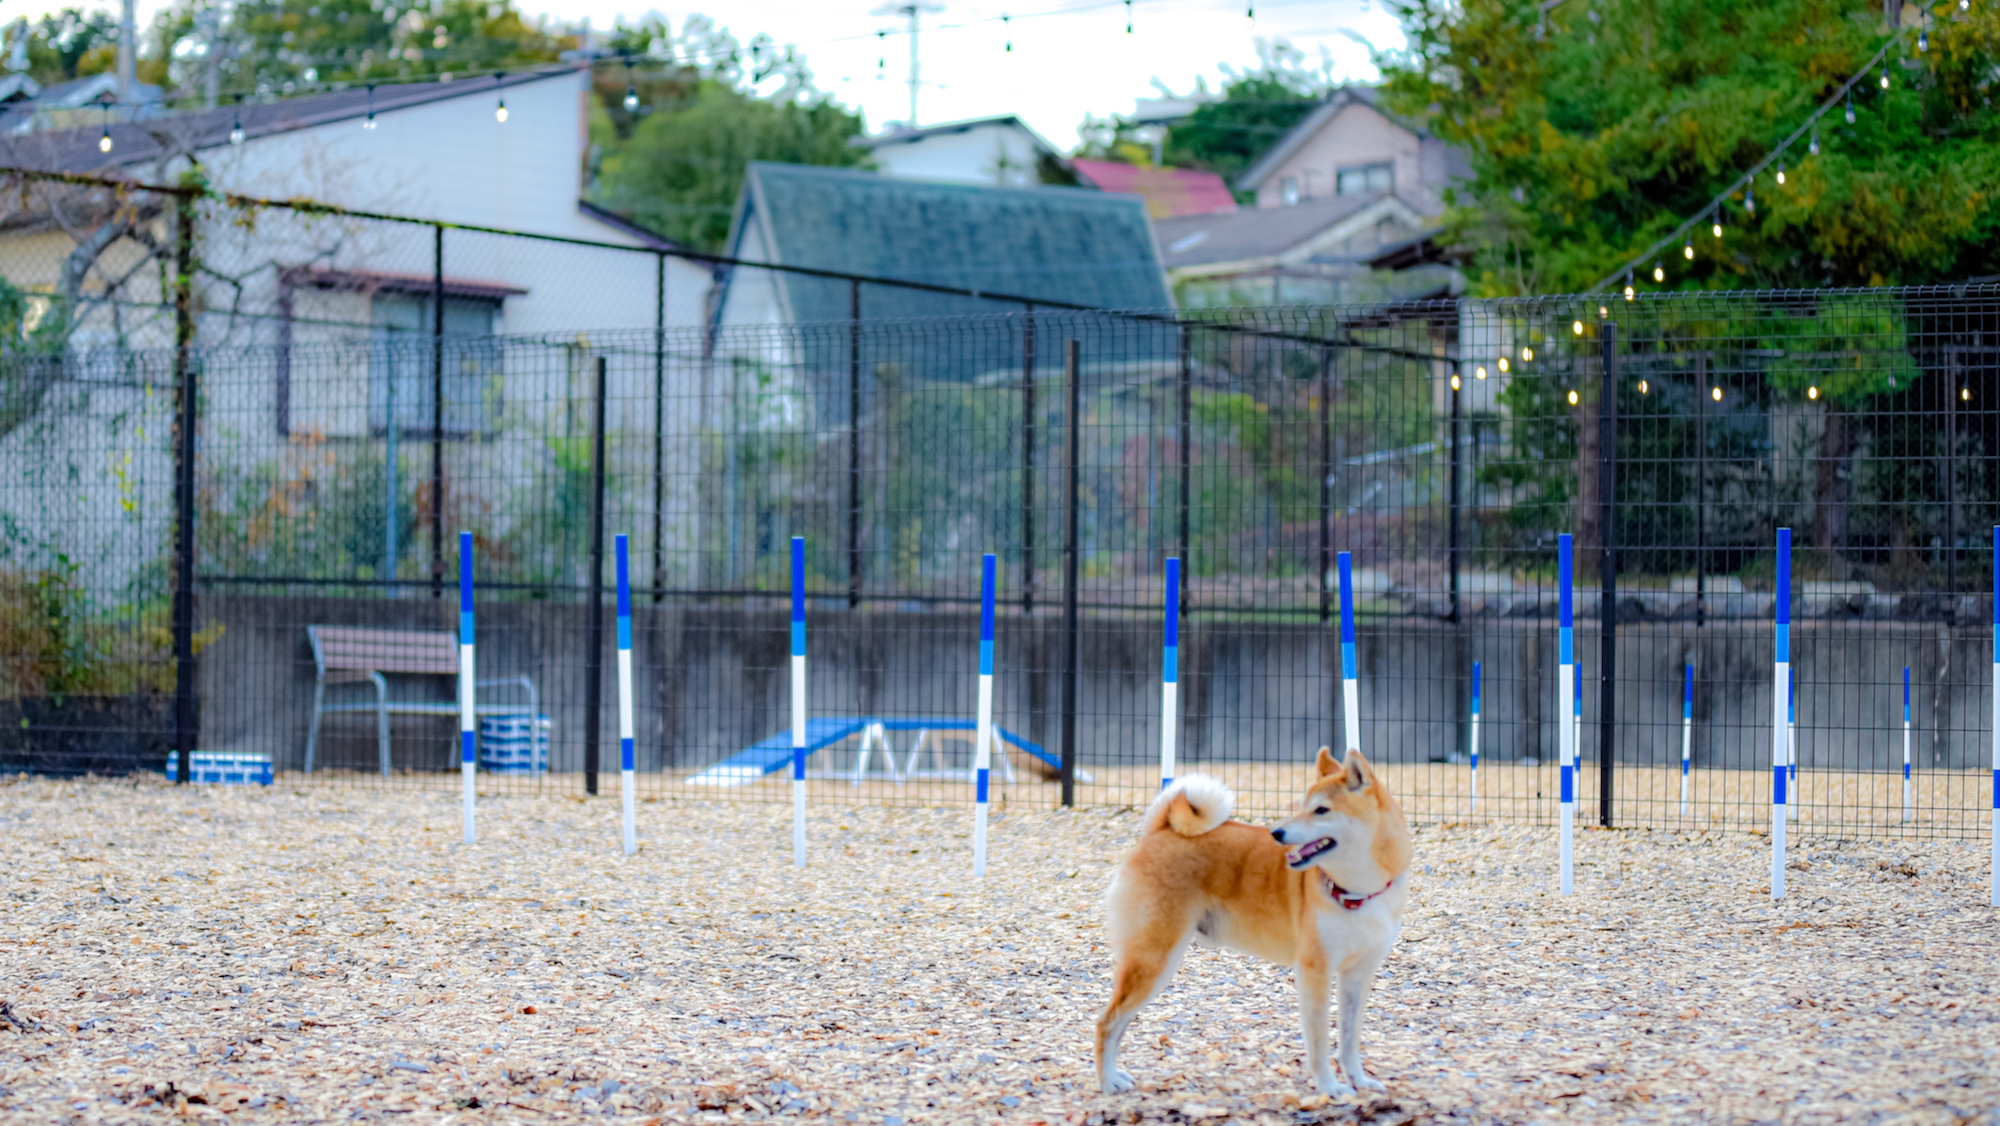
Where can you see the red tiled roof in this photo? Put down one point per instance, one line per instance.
(1168, 191)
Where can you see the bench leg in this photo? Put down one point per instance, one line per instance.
(381, 718)
(312, 729)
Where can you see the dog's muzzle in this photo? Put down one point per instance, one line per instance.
(1303, 855)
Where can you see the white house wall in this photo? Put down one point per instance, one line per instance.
(1003, 155)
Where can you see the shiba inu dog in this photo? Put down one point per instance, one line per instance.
(1323, 892)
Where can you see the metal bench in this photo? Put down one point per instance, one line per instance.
(348, 655)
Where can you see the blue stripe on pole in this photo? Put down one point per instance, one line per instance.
(625, 755)
(1906, 693)
(1784, 643)
(468, 741)
(1792, 695)
(1475, 688)
(1347, 600)
(984, 778)
(625, 632)
(1684, 768)
(624, 576)
(1568, 784)
(465, 627)
(1170, 664)
(1173, 602)
(464, 573)
(986, 570)
(1996, 789)
(1347, 661)
(986, 657)
(798, 764)
(798, 639)
(1778, 784)
(798, 584)
(1565, 646)
(1565, 579)
(1784, 577)
(1906, 772)
(1687, 691)
(1576, 698)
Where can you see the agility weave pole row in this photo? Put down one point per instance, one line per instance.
(1780, 727)
(1350, 671)
(1170, 661)
(798, 701)
(982, 754)
(1473, 805)
(1687, 730)
(627, 784)
(1568, 692)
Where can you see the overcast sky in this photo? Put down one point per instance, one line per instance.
(1070, 57)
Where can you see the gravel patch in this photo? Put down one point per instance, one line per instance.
(319, 954)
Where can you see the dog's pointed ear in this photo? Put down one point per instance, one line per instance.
(1327, 763)
(1359, 774)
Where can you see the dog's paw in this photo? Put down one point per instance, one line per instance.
(1331, 1086)
(1117, 1083)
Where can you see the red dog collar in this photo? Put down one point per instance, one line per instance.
(1347, 898)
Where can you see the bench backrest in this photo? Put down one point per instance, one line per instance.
(353, 649)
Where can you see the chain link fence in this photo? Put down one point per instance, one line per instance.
(241, 440)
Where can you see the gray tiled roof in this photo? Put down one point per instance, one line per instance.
(1195, 240)
(1057, 244)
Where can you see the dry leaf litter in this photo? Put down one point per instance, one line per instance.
(337, 955)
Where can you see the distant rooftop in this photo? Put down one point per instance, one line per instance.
(1168, 192)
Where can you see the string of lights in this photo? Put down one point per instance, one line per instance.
(1746, 182)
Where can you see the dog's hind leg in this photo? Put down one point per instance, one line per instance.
(1314, 981)
(1146, 962)
(1354, 987)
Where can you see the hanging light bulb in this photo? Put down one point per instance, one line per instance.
(1479, 372)
(1812, 393)
(1005, 25)
(1644, 387)
(1503, 365)
(1850, 107)
(500, 113)
(1781, 170)
(369, 121)
(1965, 394)
(1716, 226)
(1813, 148)
(1628, 285)
(1964, 5)
(104, 142)
(1687, 251)
(1923, 39)
(1572, 398)
(1527, 355)
(631, 98)
(1454, 380)
(1885, 76)
(1576, 327)
(236, 131)
(1749, 201)
(1659, 272)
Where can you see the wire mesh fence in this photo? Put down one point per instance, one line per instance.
(297, 402)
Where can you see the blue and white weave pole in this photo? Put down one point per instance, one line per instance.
(1568, 702)
(798, 701)
(1906, 743)
(626, 766)
(1687, 730)
(1792, 743)
(982, 754)
(1170, 675)
(1995, 860)
(1781, 676)
(1474, 807)
(1350, 685)
(468, 725)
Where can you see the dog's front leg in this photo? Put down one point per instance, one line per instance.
(1313, 997)
(1354, 985)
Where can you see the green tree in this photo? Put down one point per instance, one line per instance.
(1594, 129)
(71, 43)
(1257, 108)
(677, 164)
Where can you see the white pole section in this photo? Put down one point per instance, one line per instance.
(1781, 676)
(1567, 705)
(1994, 861)
(1906, 743)
(1792, 744)
(982, 754)
(799, 701)
(1170, 672)
(1687, 730)
(1350, 669)
(626, 765)
(468, 724)
(1474, 808)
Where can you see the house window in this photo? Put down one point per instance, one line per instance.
(400, 369)
(1288, 190)
(1365, 179)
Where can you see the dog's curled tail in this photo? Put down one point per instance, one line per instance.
(1192, 805)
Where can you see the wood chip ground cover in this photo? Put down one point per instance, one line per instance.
(335, 955)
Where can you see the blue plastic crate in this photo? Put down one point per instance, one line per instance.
(217, 768)
(514, 743)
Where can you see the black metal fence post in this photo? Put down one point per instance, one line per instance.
(853, 444)
(437, 412)
(1028, 460)
(1072, 475)
(1607, 570)
(1325, 482)
(593, 686)
(659, 428)
(186, 718)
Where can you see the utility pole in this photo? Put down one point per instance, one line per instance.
(128, 53)
(914, 9)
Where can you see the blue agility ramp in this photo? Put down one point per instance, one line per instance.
(823, 732)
